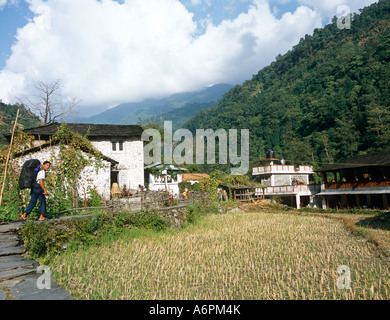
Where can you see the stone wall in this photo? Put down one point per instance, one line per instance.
(159, 199)
(88, 177)
(152, 200)
(131, 161)
(198, 196)
(127, 204)
(176, 216)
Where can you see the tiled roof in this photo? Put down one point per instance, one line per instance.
(93, 130)
(194, 176)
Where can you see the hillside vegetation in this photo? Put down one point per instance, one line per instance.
(325, 100)
(7, 118)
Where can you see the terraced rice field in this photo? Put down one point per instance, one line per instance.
(251, 256)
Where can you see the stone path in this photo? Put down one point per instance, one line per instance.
(19, 277)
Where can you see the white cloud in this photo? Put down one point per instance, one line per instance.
(196, 2)
(4, 3)
(107, 53)
(328, 8)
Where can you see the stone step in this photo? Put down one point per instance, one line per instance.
(9, 244)
(52, 295)
(15, 273)
(26, 264)
(8, 237)
(2, 295)
(11, 258)
(20, 276)
(12, 251)
(12, 227)
(28, 290)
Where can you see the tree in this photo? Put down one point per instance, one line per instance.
(47, 102)
(326, 99)
(379, 122)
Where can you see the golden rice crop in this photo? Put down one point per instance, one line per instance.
(234, 256)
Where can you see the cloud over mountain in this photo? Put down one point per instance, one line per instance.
(108, 52)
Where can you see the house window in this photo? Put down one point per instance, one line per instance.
(117, 145)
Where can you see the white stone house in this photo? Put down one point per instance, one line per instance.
(159, 179)
(290, 183)
(121, 150)
(89, 177)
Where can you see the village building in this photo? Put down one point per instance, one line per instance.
(288, 182)
(121, 151)
(359, 182)
(160, 177)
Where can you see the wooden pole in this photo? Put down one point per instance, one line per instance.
(9, 154)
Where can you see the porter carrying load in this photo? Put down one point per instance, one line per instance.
(29, 172)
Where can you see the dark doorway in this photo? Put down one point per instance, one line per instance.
(114, 177)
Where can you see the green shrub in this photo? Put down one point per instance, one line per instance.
(149, 220)
(97, 222)
(94, 197)
(41, 239)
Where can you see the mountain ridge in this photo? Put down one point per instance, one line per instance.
(325, 100)
(130, 113)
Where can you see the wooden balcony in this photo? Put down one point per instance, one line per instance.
(357, 184)
(302, 189)
(282, 169)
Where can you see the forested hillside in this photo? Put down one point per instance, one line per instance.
(7, 118)
(325, 100)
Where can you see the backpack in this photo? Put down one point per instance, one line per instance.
(29, 173)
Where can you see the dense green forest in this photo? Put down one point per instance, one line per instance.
(7, 118)
(325, 100)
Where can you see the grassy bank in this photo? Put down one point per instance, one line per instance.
(231, 256)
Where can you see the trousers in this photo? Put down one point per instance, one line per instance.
(37, 194)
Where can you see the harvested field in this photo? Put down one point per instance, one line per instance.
(233, 256)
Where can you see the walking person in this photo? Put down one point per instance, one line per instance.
(38, 192)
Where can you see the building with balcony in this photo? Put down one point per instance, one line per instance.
(290, 183)
(162, 177)
(361, 182)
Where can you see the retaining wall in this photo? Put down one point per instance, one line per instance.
(175, 215)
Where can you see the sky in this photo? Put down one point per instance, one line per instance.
(108, 52)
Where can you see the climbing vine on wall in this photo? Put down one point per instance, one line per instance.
(13, 198)
(74, 153)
